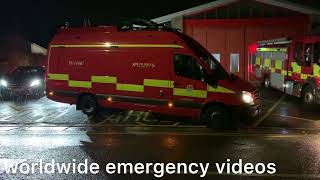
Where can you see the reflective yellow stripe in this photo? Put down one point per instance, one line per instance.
(130, 87)
(283, 72)
(316, 70)
(104, 79)
(83, 84)
(63, 77)
(278, 64)
(267, 62)
(140, 88)
(296, 68)
(190, 93)
(220, 89)
(158, 83)
(116, 45)
(258, 60)
(272, 49)
(304, 76)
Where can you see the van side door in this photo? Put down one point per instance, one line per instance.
(190, 91)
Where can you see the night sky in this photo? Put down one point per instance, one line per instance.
(38, 20)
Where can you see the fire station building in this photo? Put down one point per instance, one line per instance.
(227, 27)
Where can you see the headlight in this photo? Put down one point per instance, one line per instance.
(35, 82)
(247, 97)
(3, 83)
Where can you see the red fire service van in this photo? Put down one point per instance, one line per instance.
(290, 65)
(145, 68)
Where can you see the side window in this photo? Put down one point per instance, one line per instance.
(186, 66)
(316, 58)
(308, 54)
(298, 54)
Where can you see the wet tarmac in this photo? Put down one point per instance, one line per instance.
(287, 134)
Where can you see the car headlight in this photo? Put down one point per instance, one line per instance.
(3, 83)
(247, 97)
(35, 82)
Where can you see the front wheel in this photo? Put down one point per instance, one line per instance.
(88, 105)
(308, 95)
(218, 117)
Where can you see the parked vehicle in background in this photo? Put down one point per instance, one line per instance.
(145, 68)
(24, 81)
(291, 66)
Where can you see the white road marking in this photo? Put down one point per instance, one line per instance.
(293, 117)
(5, 118)
(269, 111)
(7, 128)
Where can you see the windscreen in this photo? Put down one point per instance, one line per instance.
(204, 55)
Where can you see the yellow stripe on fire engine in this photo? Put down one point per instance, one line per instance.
(278, 64)
(104, 79)
(272, 49)
(158, 83)
(62, 77)
(296, 68)
(108, 45)
(82, 84)
(304, 76)
(190, 93)
(130, 87)
(283, 72)
(316, 70)
(258, 61)
(267, 62)
(220, 89)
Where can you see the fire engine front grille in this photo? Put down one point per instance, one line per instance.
(14, 86)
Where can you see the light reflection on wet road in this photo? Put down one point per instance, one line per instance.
(42, 129)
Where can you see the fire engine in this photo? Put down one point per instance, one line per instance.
(144, 67)
(290, 65)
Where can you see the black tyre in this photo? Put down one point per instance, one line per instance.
(88, 104)
(218, 117)
(266, 82)
(308, 95)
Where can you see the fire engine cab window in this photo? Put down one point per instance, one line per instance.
(317, 53)
(298, 54)
(308, 53)
(186, 66)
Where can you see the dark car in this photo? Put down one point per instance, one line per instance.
(23, 81)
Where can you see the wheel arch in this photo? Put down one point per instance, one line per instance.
(212, 103)
(80, 96)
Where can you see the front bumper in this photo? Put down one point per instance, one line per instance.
(21, 91)
(246, 113)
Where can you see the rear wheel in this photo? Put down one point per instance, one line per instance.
(88, 104)
(218, 117)
(308, 95)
